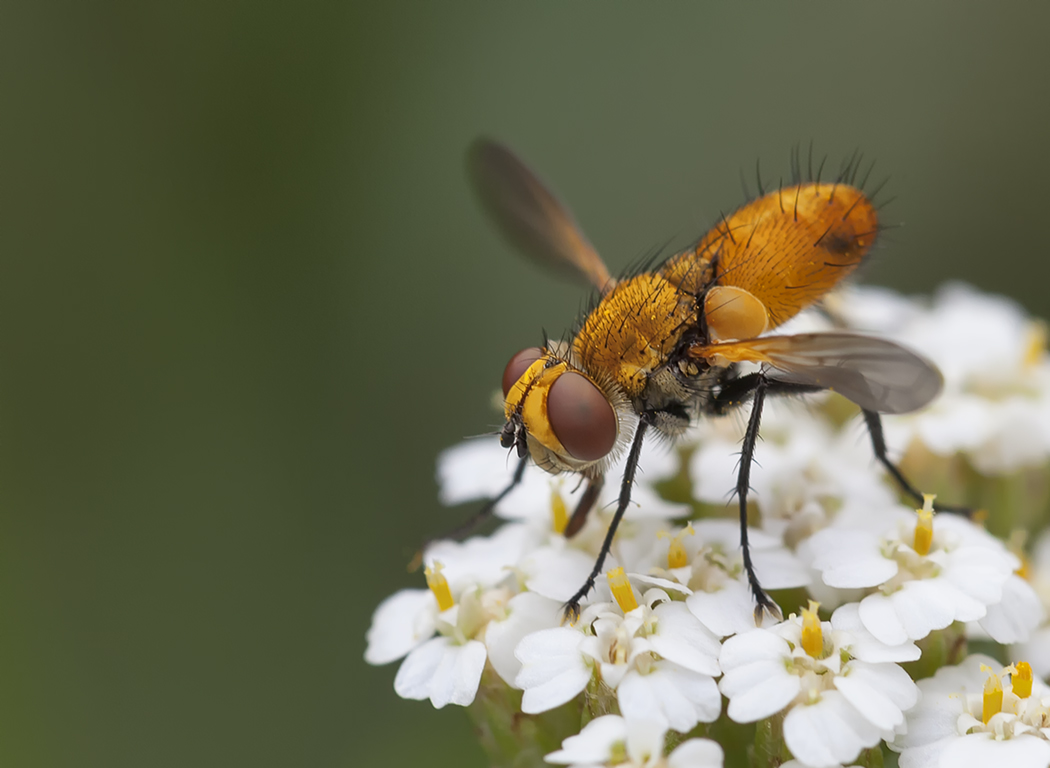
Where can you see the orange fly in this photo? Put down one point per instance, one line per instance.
(660, 349)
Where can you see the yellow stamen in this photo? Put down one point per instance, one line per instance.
(439, 586)
(621, 589)
(1025, 571)
(1021, 682)
(677, 557)
(924, 527)
(1035, 344)
(812, 635)
(993, 695)
(1016, 544)
(559, 512)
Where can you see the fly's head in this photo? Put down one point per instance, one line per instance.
(566, 419)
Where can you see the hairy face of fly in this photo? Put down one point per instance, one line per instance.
(564, 419)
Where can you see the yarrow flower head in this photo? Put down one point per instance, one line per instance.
(450, 629)
(669, 628)
(978, 714)
(837, 691)
(705, 561)
(648, 653)
(924, 573)
(611, 740)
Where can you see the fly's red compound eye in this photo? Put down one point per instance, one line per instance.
(581, 417)
(518, 365)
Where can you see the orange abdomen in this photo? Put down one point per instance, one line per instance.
(788, 248)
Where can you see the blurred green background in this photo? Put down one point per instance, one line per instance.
(247, 298)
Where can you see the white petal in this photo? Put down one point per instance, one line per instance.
(527, 613)
(1013, 619)
(910, 613)
(751, 646)
(876, 707)
(696, 753)
(681, 638)
(827, 733)
(482, 560)
(670, 694)
(863, 645)
(645, 740)
(556, 573)
(759, 690)
(473, 469)
(656, 581)
(1036, 651)
(888, 679)
(849, 559)
(980, 750)
(780, 569)
(553, 669)
(442, 671)
(726, 611)
(594, 744)
(400, 623)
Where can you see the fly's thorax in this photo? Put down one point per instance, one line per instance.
(634, 330)
(567, 419)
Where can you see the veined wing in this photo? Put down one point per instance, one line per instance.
(531, 216)
(876, 374)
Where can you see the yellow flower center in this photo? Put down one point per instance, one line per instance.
(812, 634)
(439, 586)
(1021, 681)
(1035, 345)
(621, 589)
(677, 557)
(992, 702)
(559, 512)
(924, 526)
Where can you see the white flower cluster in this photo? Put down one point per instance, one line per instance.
(671, 630)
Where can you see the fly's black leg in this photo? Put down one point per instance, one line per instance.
(571, 609)
(747, 455)
(477, 519)
(878, 445)
(583, 506)
(734, 393)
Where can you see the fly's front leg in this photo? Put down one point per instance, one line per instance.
(483, 514)
(571, 609)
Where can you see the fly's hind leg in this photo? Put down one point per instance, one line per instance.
(878, 445)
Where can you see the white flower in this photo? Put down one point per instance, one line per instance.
(611, 740)
(837, 701)
(472, 624)
(657, 657)
(804, 477)
(995, 407)
(408, 618)
(1036, 650)
(547, 562)
(972, 717)
(481, 469)
(927, 573)
(706, 560)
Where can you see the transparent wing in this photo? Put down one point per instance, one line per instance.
(877, 374)
(531, 216)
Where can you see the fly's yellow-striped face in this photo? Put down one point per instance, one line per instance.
(561, 416)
